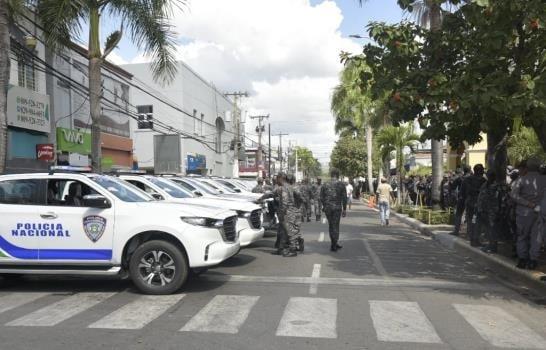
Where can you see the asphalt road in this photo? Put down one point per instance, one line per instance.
(388, 288)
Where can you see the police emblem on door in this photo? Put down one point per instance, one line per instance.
(94, 227)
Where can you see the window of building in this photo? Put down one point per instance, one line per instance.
(201, 124)
(195, 122)
(25, 72)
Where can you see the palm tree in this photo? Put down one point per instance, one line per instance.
(147, 22)
(397, 139)
(429, 14)
(354, 111)
(8, 10)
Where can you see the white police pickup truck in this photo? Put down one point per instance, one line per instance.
(88, 224)
(249, 226)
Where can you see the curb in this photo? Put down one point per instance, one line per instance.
(441, 233)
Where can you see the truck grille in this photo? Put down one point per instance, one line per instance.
(230, 232)
(256, 219)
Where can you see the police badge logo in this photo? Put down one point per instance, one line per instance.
(94, 227)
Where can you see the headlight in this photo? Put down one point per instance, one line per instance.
(207, 222)
(243, 214)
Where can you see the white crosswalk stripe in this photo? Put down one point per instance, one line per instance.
(500, 328)
(138, 313)
(309, 317)
(223, 314)
(401, 321)
(14, 300)
(62, 310)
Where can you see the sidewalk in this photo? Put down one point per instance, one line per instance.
(502, 261)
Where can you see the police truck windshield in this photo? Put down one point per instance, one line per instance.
(120, 190)
(171, 188)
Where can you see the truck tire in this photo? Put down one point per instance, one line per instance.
(158, 267)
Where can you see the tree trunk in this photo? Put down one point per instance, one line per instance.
(369, 150)
(540, 130)
(4, 81)
(497, 155)
(437, 147)
(95, 88)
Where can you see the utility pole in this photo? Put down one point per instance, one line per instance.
(260, 129)
(280, 135)
(237, 117)
(269, 143)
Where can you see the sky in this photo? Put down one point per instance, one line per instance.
(285, 53)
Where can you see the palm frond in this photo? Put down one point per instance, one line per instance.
(149, 27)
(64, 20)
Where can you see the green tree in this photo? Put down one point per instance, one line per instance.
(349, 156)
(147, 22)
(354, 111)
(524, 144)
(9, 9)
(397, 139)
(307, 163)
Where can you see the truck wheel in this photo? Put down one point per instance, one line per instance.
(158, 267)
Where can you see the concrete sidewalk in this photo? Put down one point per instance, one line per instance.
(502, 265)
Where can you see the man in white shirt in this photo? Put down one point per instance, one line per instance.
(384, 195)
(349, 189)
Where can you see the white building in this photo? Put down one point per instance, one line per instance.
(192, 109)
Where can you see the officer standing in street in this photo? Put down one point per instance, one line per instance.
(334, 200)
(259, 188)
(469, 191)
(293, 201)
(457, 188)
(488, 208)
(307, 196)
(527, 193)
(316, 199)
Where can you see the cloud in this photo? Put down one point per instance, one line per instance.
(284, 52)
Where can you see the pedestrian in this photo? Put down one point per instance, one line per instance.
(259, 188)
(444, 192)
(276, 194)
(384, 196)
(349, 189)
(457, 187)
(527, 193)
(487, 211)
(334, 200)
(292, 202)
(469, 191)
(316, 199)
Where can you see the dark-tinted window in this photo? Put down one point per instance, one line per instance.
(26, 191)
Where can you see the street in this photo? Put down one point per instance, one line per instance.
(388, 288)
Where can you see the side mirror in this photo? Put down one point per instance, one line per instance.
(238, 190)
(157, 196)
(96, 201)
(198, 194)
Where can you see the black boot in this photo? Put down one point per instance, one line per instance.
(522, 263)
(288, 253)
(333, 248)
(300, 245)
(278, 251)
(532, 265)
(387, 222)
(338, 246)
(318, 218)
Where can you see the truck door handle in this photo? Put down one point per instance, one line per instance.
(48, 216)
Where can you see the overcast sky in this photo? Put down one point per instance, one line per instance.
(284, 52)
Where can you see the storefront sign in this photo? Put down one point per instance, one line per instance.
(74, 141)
(196, 162)
(28, 109)
(45, 151)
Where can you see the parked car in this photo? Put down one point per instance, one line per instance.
(89, 224)
(249, 226)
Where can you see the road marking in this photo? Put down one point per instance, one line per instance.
(309, 317)
(14, 300)
(336, 281)
(62, 310)
(321, 237)
(223, 314)
(401, 321)
(500, 328)
(375, 258)
(138, 313)
(314, 275)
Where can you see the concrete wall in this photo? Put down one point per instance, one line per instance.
(190, 92)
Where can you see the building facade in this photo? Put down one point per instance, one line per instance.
(194, 129)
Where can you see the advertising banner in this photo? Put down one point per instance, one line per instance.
(74, 141)
(45, 151)
(28, 109)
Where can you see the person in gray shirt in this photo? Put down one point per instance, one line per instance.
(527, 193)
